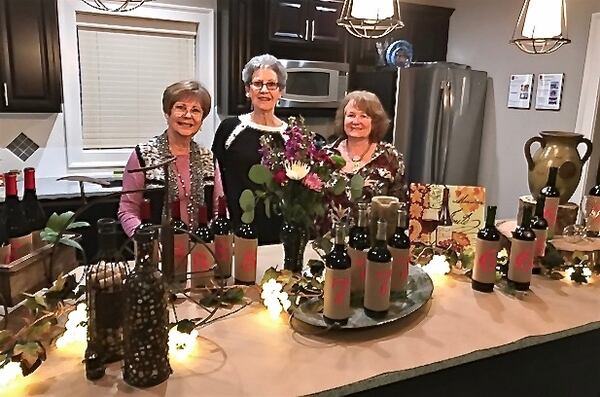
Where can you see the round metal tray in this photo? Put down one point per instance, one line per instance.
(418, 292)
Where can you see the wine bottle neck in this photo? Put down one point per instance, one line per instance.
(29, 179)
(526, 219)
(362, 218)
(552, 177)
(490, 217)
(539, 206)
(381, 234)
(10, 185)
(401, 223)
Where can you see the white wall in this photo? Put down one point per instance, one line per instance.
(48, 130)
(479, 35)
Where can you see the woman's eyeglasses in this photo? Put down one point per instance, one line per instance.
(182, 110)
(258, 85)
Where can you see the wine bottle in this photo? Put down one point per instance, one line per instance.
(245, 246)
(202, 260)
(486, 254)
(358, 242)
(338, 276)
(34, 213)
(378, 275)
(104, 282)
(221, 227)
(521, 253)
(539, 225)
(17, 229)
(4, 244)
(145, 334)
(443, 231)
(399, 246)
(592, 208)
(181, 243)
(146, 218)
(552, 196)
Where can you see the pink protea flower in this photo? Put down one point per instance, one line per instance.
(313, 182)
(279, 177)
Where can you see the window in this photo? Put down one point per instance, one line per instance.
(115, 68)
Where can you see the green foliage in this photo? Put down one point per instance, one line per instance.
(552, 258)
(60, 223)
(247, 204)
(184, 326)
(260, 174)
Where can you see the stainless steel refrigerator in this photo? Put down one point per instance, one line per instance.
(439, 121)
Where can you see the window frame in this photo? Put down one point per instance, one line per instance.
(77, 157)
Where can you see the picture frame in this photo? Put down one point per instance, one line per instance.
(549, 91)
(520, 88)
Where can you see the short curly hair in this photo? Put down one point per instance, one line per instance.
(371, 105)
(264, 61)
(185, 89)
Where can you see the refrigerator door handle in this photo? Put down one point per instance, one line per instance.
(436, 136)
(445, 130)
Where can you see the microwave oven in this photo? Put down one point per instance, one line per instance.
(314, 84)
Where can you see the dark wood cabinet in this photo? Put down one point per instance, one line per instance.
(29, 56)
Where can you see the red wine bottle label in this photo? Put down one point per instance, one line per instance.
(443, 233)
(224, 254)
(486, 258)
(336, 294)
(592, 211)
(399, 268)
(521, 261)
(5, 254)
(550, 214)
(244, 252)
(182, 247)
(20, 246)
(540, 242)
(378, 286)
(201, 261)
(358, 260)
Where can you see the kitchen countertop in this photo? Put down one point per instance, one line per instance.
(51, 189)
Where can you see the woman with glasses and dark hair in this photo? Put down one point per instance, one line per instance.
(236, 144)
(185, 104)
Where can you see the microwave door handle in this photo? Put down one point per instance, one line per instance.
(312, 30)
(306, 30)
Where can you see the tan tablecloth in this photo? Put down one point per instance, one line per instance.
(248, 354)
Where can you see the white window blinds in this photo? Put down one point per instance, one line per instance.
(125, 64)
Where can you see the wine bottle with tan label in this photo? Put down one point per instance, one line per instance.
(443, 232)
(521, 253)
(552, 196)
(181, 245)
(592, 208)
(34, 212)
(358, 243)
(221, 228)
(245, 247)
(399, 246)
(378, 275)
(201, 259)
(486, 254)
(539, 225)
(336, 293)
(17, 229)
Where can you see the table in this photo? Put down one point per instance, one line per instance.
(248, 354)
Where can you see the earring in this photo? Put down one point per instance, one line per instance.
(247, 95)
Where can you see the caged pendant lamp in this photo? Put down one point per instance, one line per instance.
(541, 27)
(115, 6)
(370, 19)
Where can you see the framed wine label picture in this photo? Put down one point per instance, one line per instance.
(467, 211)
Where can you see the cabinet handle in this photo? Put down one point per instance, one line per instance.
(312, 30)
(5, 95)
(306, 30)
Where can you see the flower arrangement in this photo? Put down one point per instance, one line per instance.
(298, 178)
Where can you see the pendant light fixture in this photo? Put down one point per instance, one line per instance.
(115, 6)
(370, 19)
(541, 27)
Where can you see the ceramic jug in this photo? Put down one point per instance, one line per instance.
(558, 149)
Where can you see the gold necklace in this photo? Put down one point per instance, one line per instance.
(356, 160)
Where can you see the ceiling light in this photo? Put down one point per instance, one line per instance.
(370, 19)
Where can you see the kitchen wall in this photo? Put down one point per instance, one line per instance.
(48, 130)
(479, 35)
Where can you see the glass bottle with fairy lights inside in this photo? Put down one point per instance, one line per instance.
(146, 351)
(104, 280)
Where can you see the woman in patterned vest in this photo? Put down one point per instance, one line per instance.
(191, 176)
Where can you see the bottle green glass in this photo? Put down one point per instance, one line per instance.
(552, 196)
(378, 275)
(146, 349)
(338, 276)
(181, 246)
(521, 253)
(202, 261)
(358, 245)
(539, 225)
(486, 254)
(221, 228)
(399, 246)
(245, 249)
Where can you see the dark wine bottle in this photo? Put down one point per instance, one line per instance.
(486, 254)
(521, 253)
(145, 336)
(592, 208)
(539, 225)
(358, 242)
(378, 275)
(17, 228)
(181, 243)
(146, 214)
(4, 244)
(552, 195)
(34, 212)
(221, 228)
(338, 276)
(202, 260)
(245, 249)
(104, 282)
(399, 246)
(443, 231)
